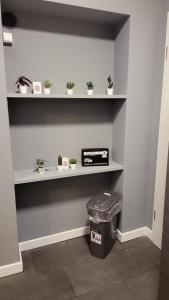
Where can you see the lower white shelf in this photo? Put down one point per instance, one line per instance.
(27, 176)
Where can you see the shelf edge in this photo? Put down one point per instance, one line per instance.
(54, 174)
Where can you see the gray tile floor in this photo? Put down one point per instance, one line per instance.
(67, 271)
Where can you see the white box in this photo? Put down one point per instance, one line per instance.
(65, 163)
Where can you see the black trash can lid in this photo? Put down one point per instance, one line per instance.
(103, 202)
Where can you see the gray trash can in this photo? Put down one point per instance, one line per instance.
(103, 209)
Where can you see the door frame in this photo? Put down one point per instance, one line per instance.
(162, 152)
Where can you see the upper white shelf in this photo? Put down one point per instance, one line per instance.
(27, 176)
(63, 96)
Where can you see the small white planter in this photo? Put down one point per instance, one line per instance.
(41, 171)
(70, 92)
(110, 92)
(60, 168)
(47, 91)
(23, 89)
(90, 92)
(73, 166)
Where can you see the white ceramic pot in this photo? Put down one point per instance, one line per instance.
(90, 92)
(70, 92)
(47, 91)
(41, 170)
(73, 166)
(23, 89)
(110, 92)
(60, 168)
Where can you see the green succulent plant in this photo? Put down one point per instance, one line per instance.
(90, 85)
(70, 85)
(110, 82)
(73, 161)
(47, 84)
(24, 81)
(40, 163)
(59, 160)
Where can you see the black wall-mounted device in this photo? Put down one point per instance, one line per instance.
(9, 19)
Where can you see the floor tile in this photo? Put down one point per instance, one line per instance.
(66, 270)
(148, 258)
(117, 247)
(7, 294)
(79, 247)
(142, 242)
(123, 264)
(54, 285)
(115, 291)
(87, 276)
(146, 285)
(58, 256)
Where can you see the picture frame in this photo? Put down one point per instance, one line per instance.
(37, 88)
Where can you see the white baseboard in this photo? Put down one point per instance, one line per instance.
(134, 234)
(74, 233)
(148, 233)
(12, 268)
(54, 238)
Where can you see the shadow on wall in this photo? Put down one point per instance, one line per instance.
(70, 20)
(64, 190)
(40, 111)
(55, 206)
(65, 26)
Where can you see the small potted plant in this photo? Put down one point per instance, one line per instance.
(23, 83)
(60, 167)
(90, 88)
(40, 166)
(110, 86)
(47, 86)
(73, 163)
(70, 86)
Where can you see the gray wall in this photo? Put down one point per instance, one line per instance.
(60, 50)
(78, 51)
(121, 54)
(147, 39)
(48, 128)
(41, 128)
(144, 86)
(8, 229)
(50, 207)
